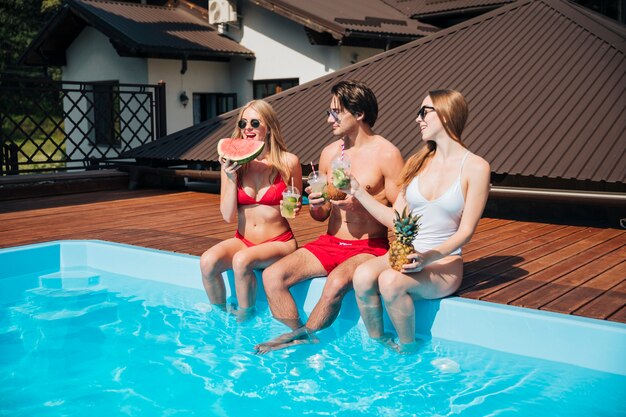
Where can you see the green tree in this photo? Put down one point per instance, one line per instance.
(21, 21)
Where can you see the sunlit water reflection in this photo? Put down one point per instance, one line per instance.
(122, 346)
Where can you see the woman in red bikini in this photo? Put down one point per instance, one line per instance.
(252, 194)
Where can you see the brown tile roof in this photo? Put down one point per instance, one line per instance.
(342, 18)
(135, 30)
(423, 8)
(545, 84)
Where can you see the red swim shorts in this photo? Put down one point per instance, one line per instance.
(331, 251)
(283, 237)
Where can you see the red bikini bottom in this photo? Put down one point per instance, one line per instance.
(284, 237)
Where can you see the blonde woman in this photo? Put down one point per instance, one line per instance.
(252, 194)
(448, 186)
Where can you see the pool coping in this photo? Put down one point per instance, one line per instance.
(580, 341)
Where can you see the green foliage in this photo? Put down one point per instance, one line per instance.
(48, 6)
(37, 139)
(21, 21)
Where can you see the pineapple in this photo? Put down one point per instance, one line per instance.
(406, 227)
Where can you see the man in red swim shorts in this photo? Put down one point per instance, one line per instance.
(353, 236)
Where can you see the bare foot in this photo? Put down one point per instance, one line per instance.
(300, 336)
(244, 314)
(407, 348)
(387, 341)
(221, 307)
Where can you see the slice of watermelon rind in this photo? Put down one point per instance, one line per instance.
(241, 151)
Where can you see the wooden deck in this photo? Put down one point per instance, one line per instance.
(567, 269)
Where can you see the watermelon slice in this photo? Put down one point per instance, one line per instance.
(240, 150)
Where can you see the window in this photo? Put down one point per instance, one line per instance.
(266, 88)
(209, 105)
(105, 114)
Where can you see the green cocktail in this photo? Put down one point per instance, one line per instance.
(341, 173)
(317, 182)
(291, 195)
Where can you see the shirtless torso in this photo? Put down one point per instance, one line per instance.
(353, 235)
(348, 219)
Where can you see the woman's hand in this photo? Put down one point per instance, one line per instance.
(296, 208)
(230, 168)
(418, 263)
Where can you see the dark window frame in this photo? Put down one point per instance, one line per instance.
(105, 114)
(219, 104)
(266, 88)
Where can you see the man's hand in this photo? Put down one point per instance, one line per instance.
(315, 199)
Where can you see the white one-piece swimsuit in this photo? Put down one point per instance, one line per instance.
(440, 217)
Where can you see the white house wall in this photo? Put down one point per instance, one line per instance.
(91, 57)
(200, 77)
(283, 50)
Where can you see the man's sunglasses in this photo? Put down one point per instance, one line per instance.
(422, 111)
(334, 115)
(255, 123)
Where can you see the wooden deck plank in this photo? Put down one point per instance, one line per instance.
(584, 293)
(570, 267)
(605, 305)
(505, 232)
(618, 316)
(505, 265)
(497, 243)
(567, 269)
(579, 272)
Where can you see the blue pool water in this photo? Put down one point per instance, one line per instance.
(84, 341)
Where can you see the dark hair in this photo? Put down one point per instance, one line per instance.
(356, 97)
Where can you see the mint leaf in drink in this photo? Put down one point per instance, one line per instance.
(340, 179)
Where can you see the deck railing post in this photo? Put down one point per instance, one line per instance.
(9, 159)
(160, 110)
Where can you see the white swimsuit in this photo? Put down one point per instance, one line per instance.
(440, 217)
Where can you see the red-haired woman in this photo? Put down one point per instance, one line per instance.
(448, 186)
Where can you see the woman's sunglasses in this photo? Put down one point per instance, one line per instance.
(422, 111)
(255, 123)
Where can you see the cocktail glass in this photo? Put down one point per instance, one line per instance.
(291, 195)
(341, 172)
(317, 182)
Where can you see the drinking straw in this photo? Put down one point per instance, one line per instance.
(292, 187)
(313, 168)
(342, 146)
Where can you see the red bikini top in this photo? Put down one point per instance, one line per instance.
(271, 197)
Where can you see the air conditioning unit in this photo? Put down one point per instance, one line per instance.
(222, 11)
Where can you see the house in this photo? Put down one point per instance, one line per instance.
(218, 55)
(544, 80)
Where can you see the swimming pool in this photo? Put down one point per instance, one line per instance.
(95, 328)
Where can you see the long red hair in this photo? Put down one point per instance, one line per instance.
(451, 108)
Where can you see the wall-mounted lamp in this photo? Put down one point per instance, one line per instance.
(183, 98)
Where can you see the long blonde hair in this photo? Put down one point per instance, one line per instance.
(274, 140)
(451, 108)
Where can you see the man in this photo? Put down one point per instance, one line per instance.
(353, 236)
